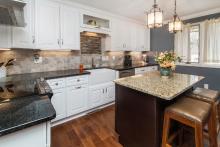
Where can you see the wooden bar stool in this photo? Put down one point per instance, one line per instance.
(211, 97)
(192, 113)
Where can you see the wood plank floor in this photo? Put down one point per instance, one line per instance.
(94, 130)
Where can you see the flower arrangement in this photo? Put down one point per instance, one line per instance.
(167, 61)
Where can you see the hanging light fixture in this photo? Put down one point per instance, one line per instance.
(176, 24)
(155, 17)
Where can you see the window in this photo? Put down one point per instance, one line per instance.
(199, 43)
(194, 41)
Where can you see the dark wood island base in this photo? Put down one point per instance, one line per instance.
(139, 117)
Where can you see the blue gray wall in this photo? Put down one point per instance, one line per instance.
(162, 40)
(212, 75)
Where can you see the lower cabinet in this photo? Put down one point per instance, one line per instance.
(59, 102)
(142, 70)
(35, 136)
(72, 95)
(101, 94)
(76, 99)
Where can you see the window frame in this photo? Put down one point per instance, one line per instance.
(199, 45)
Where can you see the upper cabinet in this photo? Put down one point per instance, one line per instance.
(52, 25)
(47, 24)
(129, 36)
(70, 33)
(95, 22)
(57, 26)
(5, 36)
(23, 37)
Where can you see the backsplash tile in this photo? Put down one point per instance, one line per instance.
(58, 60)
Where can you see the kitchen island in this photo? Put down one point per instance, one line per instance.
(140, 104)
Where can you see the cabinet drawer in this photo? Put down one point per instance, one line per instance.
(140, 70)
(153, 68)
(77, 80)
(57, 83)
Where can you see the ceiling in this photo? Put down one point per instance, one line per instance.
(135, 8)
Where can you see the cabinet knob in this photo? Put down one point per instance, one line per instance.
(78, 80)
(78, 87)
(58, 41)
(56, 84)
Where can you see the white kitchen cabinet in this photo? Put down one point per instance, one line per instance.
(143, 70)
(76, 99)
(101, 94)
(5, 36)
(110, 93)
(35, 136)
(96, 95)
(47, 24)
(129, 36)
(23, 37)
(143, 38)
(57, 26)
(59, 102)
(70, 28)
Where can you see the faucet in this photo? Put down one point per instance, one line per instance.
(93, 65)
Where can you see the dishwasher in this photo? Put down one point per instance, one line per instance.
(126, 73)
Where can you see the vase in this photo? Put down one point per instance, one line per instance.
(165, 72)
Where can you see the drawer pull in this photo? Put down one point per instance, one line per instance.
(78, 80)
(56, 84)
(79, 87)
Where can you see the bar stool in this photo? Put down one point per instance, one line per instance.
(211, 97)
(192, 113)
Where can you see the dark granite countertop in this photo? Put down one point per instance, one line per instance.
(122, 67)
(45, 75)
(20, 113)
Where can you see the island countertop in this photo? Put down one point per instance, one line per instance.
(165, 88)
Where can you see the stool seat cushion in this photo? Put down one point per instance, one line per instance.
(192, 109)
(204, 94)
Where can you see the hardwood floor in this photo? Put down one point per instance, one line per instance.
(94, 130)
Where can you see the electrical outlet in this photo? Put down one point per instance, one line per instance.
(206, 86)
(38, 60)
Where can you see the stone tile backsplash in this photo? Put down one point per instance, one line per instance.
(58, 60)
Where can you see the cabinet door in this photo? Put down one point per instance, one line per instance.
(76, 99)
(117, 36)
(23, 37)
(96, 94)
(70, 32)
(47, 24)
(59, 102)
(5, 36)
(147, 40)
(110, 93)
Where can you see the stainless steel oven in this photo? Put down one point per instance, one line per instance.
(126, 73)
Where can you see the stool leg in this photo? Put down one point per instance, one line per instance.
(212, 128)
(199, 135)
(166, 128)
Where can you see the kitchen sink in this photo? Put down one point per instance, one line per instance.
(99, 76)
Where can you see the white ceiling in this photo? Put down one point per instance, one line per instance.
(135, 8)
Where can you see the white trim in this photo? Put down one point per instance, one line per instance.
(200, 14)
(196, 15)
(81, 114)
(207, 65)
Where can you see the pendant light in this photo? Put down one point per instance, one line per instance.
(155, 17)
(176, 24)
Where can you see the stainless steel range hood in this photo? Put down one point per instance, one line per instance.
(12, 12)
